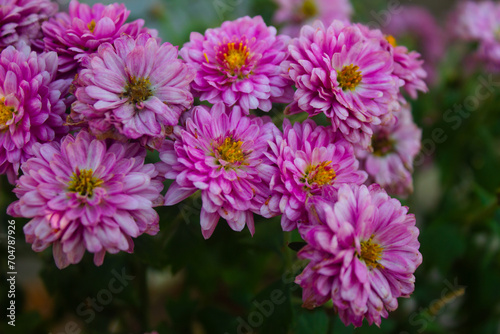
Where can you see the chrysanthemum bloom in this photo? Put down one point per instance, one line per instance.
(311, 162)
(221, 154)
(295, 13)
(21, 20)
(86, 194)
(407, 65)
(363, 252)
(475, 20)
(394, 148)
(345, 75)
(239, 64)
(81, 32)
(32, 105)
(417, 24)
(479, 22)
(134, 88)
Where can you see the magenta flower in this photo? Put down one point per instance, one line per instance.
(239, 64)
(475, 21)
(418, 24)
(81, 32)
(394, 148)
(20, 21)
(345, 75)
(311, 162)
(223, 155)
(135, 89)
(87, 194)
(407, 65)
(479, 22)
(295, 13)
(32, 105)
(363, 251)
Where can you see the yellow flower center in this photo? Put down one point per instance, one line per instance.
(236, 57)
(83, 182)
(91, 26)
(230, 151)
(138, 89)
(382, 144)
(320, 174)
(349, 77)
(391, 40)
(6, 113)
(309, 8)
(371, 253)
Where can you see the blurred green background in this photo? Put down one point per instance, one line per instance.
(176, 282)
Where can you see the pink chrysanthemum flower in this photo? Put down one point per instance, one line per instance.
(407, 65)
(86, 194)
(479, 22)
(295, 13)
(418, 24)
(476, 20)
(345, 75)
(311, 162)
(134, 88)
(32, 105)
(239, 64)
(81, 32)
(394, 148)
(223, 155)
(21, 20)
(363, 252)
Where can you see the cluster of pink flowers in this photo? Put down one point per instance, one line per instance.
(119, 90)
(77, 117)
(244, 165)
(479, 22)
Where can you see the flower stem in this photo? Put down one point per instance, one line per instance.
(142, 289)
(288, 252)
(331, 325)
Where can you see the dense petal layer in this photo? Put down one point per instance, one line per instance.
(87, 194)
(363, 251)
(224, 154)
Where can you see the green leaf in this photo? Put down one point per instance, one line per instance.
(296, 246)
(309, 322)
